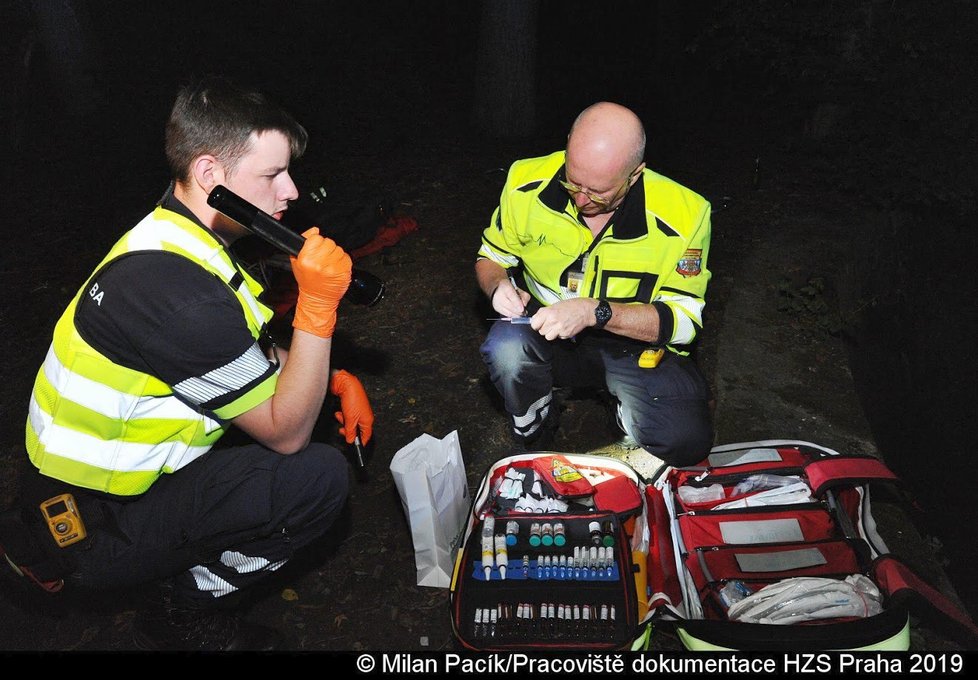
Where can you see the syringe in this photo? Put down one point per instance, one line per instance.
(511, 319)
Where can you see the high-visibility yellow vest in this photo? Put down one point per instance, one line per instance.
(102, 426)
(654, 253)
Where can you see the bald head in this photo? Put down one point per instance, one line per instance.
(607, 137)
(605, 148)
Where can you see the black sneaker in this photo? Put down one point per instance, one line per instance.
(541, 440)
(166, 627)
(20, 555)
(26, 573)
(545, 435)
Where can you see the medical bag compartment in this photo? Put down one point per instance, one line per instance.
(772, 546)
(545, 562)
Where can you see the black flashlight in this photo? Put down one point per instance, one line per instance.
(365, 288)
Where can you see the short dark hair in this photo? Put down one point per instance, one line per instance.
(214, 116)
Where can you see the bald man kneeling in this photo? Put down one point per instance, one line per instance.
(608, 260)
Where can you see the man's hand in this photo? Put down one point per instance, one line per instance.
(355, 413)
(509, 300)
(564, 319)
(495, 283)
(323, 272)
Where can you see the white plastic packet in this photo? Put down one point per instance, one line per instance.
(794, 600)
(701, 494)
(782, 495)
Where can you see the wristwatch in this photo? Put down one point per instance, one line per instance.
(602, 313)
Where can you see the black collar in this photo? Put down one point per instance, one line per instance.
(628, 221)
(170, 202)
(173, 204)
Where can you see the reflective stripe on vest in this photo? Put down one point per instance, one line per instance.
(99, 425)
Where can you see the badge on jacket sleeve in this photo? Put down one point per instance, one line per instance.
(690, 263)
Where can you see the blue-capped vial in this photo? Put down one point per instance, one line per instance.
(512, 532)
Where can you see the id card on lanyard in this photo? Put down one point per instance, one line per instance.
(575, 277)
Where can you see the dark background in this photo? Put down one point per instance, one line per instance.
(873, 100)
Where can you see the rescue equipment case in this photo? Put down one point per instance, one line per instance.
(543, 601)
(691, 549)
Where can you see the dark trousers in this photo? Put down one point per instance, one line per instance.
(664, 409)
(216, 526)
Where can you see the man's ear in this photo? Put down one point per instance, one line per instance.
(637, 172)
(207, 172)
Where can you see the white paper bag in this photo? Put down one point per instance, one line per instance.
(430, 477)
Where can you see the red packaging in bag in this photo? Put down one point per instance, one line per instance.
(565, 479)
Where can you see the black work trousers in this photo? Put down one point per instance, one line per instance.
(664, 409)
(216, 526)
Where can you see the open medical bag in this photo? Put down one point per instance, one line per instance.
(545, 562)
(764, 546)
(778, 514)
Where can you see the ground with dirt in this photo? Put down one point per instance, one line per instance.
(770, 345)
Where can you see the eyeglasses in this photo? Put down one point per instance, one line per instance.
(572, 188)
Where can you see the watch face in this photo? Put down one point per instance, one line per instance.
(602, 313)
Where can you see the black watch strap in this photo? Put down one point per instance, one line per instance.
(602, 314)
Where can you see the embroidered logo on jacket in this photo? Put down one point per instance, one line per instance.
(690, 263)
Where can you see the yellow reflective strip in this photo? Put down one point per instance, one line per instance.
(120, 483)
(144, 236)
(540, 292)
(73, 354)
(118, 456)
(82, 383)
(57, 382)
(253, 398)
(255, 314)
(692, 306)
(178, 233)
(489, 252)
(30, 436)
(899, 642)
(78, 401)
(95, 431)
(698, 645)
(253, 285)
(683, 330)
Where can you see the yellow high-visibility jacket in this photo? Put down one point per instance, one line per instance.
(99, 425)
(654, 251)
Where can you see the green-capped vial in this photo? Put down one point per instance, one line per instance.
(560, 537)
(535, 534)
(547, 532)
(608, 534)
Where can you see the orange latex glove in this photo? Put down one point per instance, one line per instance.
(355, 408)
(322, 271)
